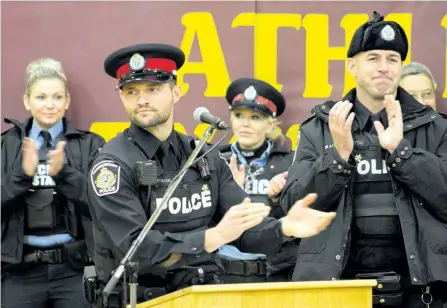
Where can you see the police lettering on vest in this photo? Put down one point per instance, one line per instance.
(41, 210)
(42, 177)
(256, 187)
(186, 205)
(373, 166)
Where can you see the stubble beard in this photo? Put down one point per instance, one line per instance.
(153, 119)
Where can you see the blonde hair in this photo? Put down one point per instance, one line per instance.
(276, 134)
(44, 68)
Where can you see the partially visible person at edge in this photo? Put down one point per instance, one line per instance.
(379, 159)
(417, 79)
(259, 163)
(45, 216)
(181, 248)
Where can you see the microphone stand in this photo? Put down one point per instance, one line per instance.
(126, 263)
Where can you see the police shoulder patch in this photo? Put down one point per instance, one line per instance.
(105, 177)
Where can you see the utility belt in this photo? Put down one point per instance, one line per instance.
(74, 253)
(175, 280)
(389, 290)
(42, 211)
(245, 267)
(52, 256)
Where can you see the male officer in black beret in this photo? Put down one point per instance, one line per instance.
(379, 159)
(179, 251)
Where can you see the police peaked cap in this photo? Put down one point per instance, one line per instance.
(378, 34)
(153, 62)
(257, 95)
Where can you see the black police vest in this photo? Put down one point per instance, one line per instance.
(376, 220)
(43, 215)
(190, 207)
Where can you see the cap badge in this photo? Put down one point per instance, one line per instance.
(250, 93)
(137, 62)
(387, 33)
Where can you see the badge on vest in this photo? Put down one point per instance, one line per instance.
(105, 177)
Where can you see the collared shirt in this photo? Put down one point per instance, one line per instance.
(365, 118)
(54, 131)
(150, 145)
(56, 239)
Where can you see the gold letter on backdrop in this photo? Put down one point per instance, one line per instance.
(265, 41)
(213, 66)
(444, 24)
(318, 52)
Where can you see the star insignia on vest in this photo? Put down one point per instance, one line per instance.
(358, 158)
(105, 178)
(387, 33)
(205, 187)
(137, 62)
(250, 93)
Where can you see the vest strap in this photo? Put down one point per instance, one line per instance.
(371, 205)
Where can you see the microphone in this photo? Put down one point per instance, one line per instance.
(203, 115)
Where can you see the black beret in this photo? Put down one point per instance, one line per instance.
(153, 62)
(257, 95)
(378, 34)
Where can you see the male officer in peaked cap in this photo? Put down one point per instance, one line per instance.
(124, 190)
(259, 161)
(379, 159)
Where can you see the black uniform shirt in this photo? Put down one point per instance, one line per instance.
(118, 209)
(365, 118)
(167, 153)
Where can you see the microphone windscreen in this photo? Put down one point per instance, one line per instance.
(198, 112)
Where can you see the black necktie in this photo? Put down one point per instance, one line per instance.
(372, 119)
(46, 146)
(167, 157)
